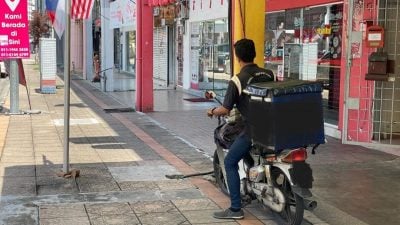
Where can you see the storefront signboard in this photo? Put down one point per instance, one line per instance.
(325, 30)
(195, 55)
(14, 29)
(291, 60)
(122, 14)
(206, 10)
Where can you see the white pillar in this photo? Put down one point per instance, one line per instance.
(107, 48)
(88, 49)
(14, 86)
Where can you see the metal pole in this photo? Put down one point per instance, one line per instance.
(14, 87)
(67, 83)
(349, 32)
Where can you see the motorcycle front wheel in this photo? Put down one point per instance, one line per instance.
(293, 212)
(219, 175)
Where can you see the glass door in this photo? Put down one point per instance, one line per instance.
(214, 56)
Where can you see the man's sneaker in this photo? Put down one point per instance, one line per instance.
(229, 214)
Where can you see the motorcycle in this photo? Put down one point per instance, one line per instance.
(280, 181)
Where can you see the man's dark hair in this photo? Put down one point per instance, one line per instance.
(245, 50)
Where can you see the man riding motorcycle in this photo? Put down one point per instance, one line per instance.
(250, 72)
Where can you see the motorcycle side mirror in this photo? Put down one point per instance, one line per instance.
(209, 95)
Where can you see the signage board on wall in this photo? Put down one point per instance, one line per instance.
(122, 13)
(14, 29)
(195, 55)
(207, 10)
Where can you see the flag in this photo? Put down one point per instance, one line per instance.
(81, 9)
(56, 11)
(51, 6)
(59, 21)
(21, 72)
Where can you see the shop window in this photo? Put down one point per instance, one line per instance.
(274, 36)
(211, 55)
(306, 44)
(117, 49)
(130, 51)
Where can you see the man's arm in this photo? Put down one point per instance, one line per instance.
(218, 111)
(229, 101)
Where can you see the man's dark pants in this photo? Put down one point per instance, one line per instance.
(238, 150)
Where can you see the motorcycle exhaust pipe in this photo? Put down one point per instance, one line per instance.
(310, 204)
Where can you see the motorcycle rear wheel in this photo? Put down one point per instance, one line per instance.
(219, 175)
(293, 212)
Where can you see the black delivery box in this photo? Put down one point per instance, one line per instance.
(286, 114)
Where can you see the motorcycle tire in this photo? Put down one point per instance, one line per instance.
(293, 212)
(219, 175)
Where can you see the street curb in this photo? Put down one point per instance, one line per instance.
(4, 122)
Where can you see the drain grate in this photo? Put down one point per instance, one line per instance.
(119, 110)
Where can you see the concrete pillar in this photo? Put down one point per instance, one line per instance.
(88, 49)
(144, 57)
(249, 22)
(107, 48)
(76, 46)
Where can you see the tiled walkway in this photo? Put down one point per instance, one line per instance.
(122, 157)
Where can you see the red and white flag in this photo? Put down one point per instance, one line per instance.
(81, 9)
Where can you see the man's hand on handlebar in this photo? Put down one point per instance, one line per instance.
(210, 112)
(217, 111)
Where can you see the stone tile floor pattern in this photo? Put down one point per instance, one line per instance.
(174, 212)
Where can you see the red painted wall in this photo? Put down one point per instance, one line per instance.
(359, 122)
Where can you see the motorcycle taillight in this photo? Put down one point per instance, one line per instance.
(298, 155)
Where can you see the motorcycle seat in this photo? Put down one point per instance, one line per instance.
(263, 151)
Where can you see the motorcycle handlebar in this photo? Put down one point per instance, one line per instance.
(212, 95)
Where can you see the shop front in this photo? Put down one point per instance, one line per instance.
(372, 106)
(352, 48)
(170, 18)
(303, 40)
(123, 23)
(208, 51)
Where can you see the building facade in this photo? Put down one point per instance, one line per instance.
(317, 40)
(329, 41)
(371, 104)
(322, 40)
(207, 47)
